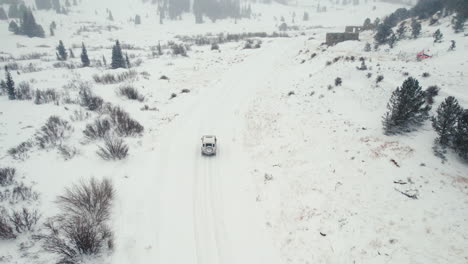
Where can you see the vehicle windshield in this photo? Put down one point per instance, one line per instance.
(208, 145)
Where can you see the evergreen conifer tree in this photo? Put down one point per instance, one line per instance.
(13, 11)
(137, 20)
(13, 27)
(460, 142)
(29, 27)
(444, 123)
(459, 23)
(61, 52)
(401, 30)
(438, 36)
(84, 56)
(118, 60)
(127, 61)
(104, 61)
(3, 15)
(415, 28)
(10, 85)
(406, 108)
(72, 55)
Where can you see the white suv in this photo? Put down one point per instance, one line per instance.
(209, 145)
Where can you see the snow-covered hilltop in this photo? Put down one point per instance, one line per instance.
(350, 153)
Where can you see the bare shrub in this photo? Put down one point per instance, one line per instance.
(430, 93)
(13, 66)
(81, 227)
(173, 95)
(24, 220)
(79, 115)
(6, 176)
(24, 91)
(97, 130)
(426, 74)
(379, 78)
(66, 65)
(338, 81)
(114, 149)
(124, 124)
(185, 91)
(32, 56)
(6, 229)
(131, 93)
(53, 132)
(178, 49)
(20, 152)
(90, 101)
(109, 78)
(23, 193)
(67, 152)
(30, 68)
(47, 96)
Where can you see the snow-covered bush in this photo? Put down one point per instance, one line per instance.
(379, 78)
(7, 176)
(431, 92)
(24, 91)
(20, 152)
(89, 100)
(131, 93)
(406, 108)
(99, 129)
(114, 149)
(24, 220)
(109, 78)
(46, 96)
(338, 81)
(81, 227)
(6, 229)
(123, 124)
(53, 132)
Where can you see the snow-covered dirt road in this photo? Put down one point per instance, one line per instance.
(196, 209)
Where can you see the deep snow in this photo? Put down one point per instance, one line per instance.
(302, 178)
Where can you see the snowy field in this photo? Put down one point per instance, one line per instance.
(304, 173)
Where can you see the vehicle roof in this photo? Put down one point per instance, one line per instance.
(209, 139)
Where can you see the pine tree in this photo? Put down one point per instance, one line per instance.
(53, 25)
(306, 16)
(459, 23)
(13, 11)
(72, 55)
(406, 108)
(401, 30)
(384, 32)
(367, 24)
(446, 119)
(453, 45)
(56, 6)
(127, 61)
(392, 40)
(67, 3)
(84, 56)
(43, 4)
(3, 15)
(29, 27)
(75, 3)
(438, 36)
(460, 142)
(3, 87)
(368, 47)
(13, 27)
(137, 20)
(104, 61)
(52, 32)
(61, 52)
(110, 17)
(10, 85)
(415, 28)
(118, 60)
